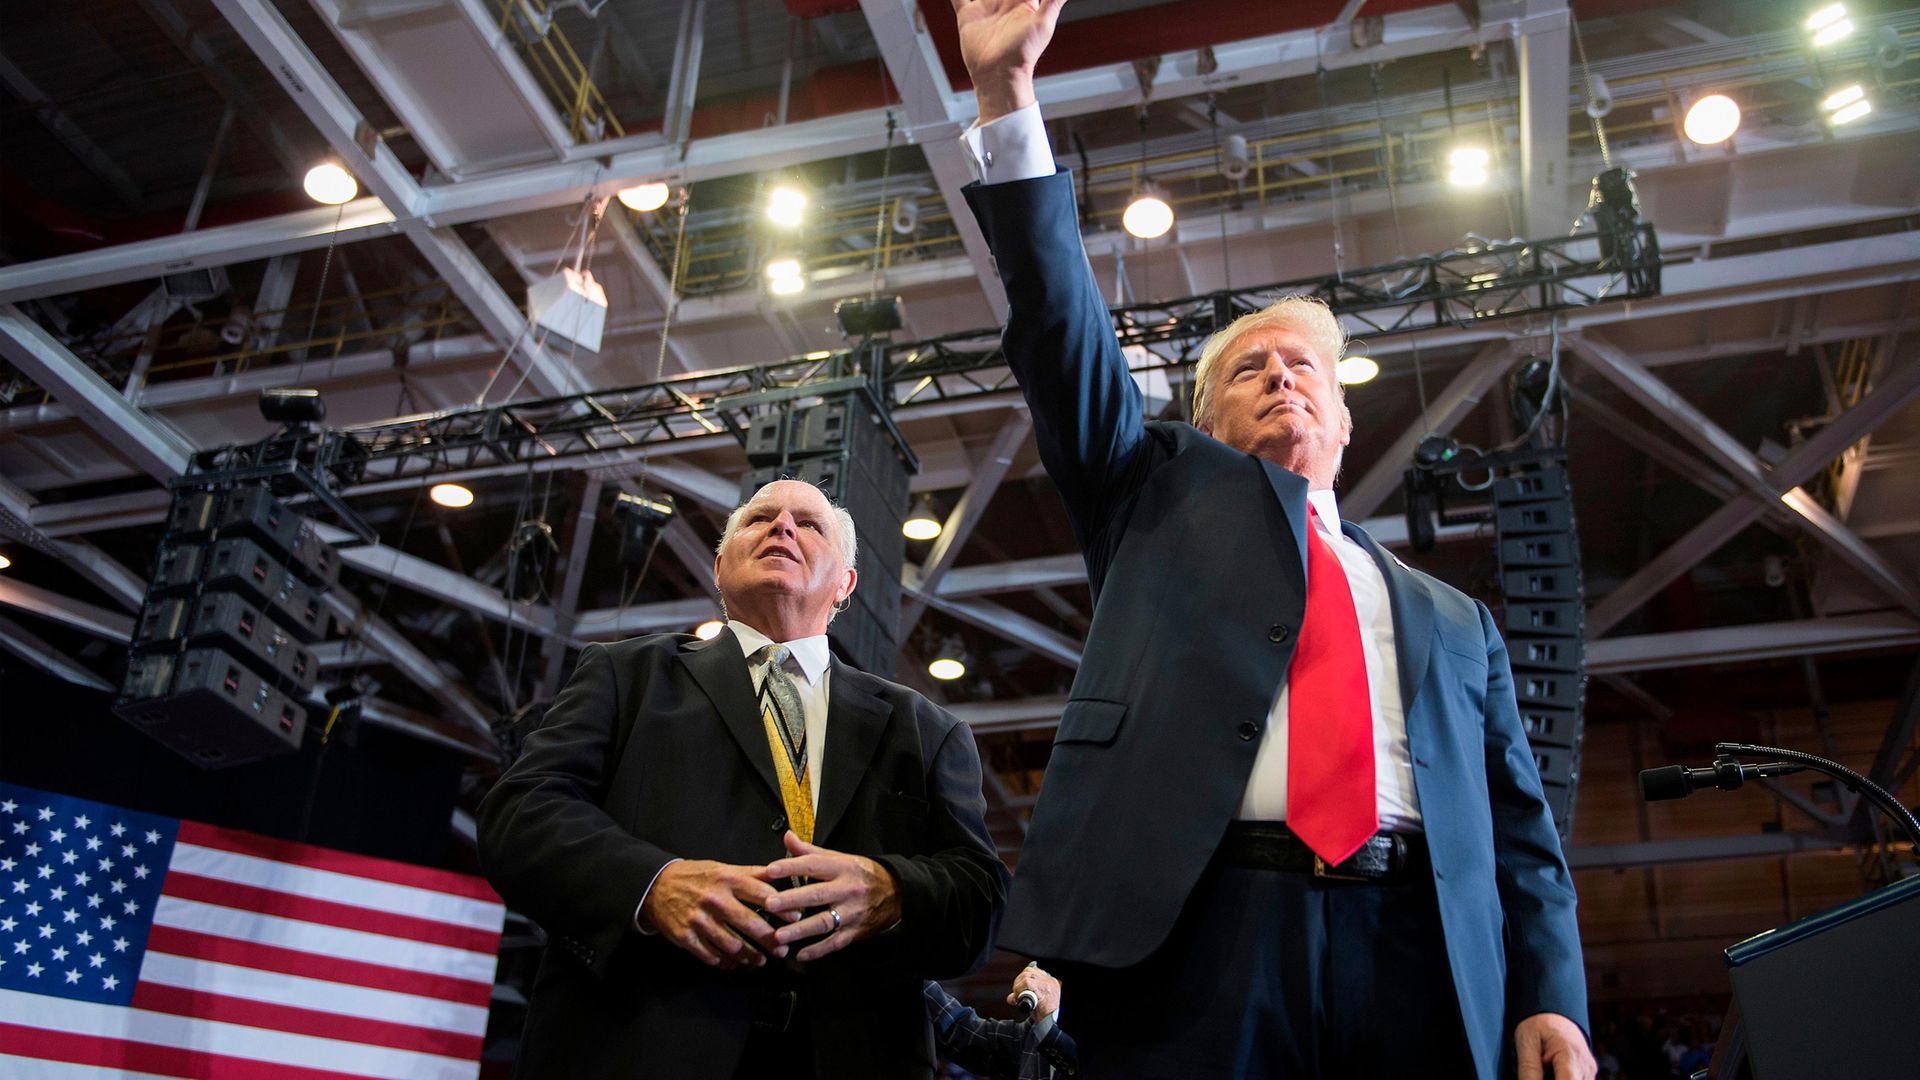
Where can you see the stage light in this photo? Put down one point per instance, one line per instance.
(921, 524)
(1846, 105)
(451, 496)
(946, 669)
(786, 206)
(818, 354)
(787, 286)
(1712, 119)
(784, 277)
(782, 268)
(1356, 369)
(1829, 24)
(331, 184)
(644, 198)
(709, 630)
(292, 405)
(1148, 216)
(5, 562)
(1467, 166)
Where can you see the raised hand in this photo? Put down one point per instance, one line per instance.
(1001, 40)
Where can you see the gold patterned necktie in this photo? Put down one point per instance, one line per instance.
(786, 724)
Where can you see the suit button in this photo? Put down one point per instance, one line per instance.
(778, 824)
(1248, 729)
(1279, 633)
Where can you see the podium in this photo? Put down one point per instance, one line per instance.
(1830, 995)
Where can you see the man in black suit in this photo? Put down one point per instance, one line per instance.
(746, 854)
(1291, 825)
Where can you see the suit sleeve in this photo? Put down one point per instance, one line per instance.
(1059, 341)
(1545, 971)
(546, 844)
(980, 1045)
(951, 896)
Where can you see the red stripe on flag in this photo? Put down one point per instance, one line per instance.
(146, 1057)
(327, 912)
(319, 858)
(252, 954)
(206, 1006)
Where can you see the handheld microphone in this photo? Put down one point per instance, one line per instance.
(1679, 781)
(1028, 1001)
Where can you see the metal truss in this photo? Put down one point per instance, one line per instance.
(1455, 289)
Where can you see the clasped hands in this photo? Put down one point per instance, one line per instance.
(721, 913)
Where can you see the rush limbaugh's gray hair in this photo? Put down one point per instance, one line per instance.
(849, 542)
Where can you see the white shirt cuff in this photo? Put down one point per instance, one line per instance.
(1045, 1024)
(637, 924)
(1013, 147)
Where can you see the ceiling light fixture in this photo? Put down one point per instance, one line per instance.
(786, 206)
(709, 630)
(1354, 370)
(1148, 216)
(1829, 25)
(330, 183)
(644, 198)
(784, 277)
(946, 669)
(1468, 166)
(451, 496)
(1712, 120)
(921, 524)
(5, 562)
(1846, 105)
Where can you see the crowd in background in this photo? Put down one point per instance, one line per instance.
(1653, 1042)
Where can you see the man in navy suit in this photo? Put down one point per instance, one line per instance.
(1291, 825)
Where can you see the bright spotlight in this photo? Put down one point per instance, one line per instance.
(1826, 16)
(946, 669)
(1829, 25)
(921, 524)
(451, 496)
(1849, 113)
(786, 206)
(1712, 119)
(1147, 216)
(782, 268)
(644, 198)
(5, 562)
(328, 183)
(1467, 166)
(787, 286)
(1846, 105)
(709, 630)
(1356, 369)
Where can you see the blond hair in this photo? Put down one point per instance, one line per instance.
(1308, 316)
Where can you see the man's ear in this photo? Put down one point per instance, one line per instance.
(853, 578)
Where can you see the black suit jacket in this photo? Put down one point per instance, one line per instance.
(655, 750)
(1196, 554)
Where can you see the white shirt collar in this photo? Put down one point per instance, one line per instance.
(809, 652)
(1327, 509)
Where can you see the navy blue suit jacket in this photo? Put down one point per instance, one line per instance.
(1196, 554)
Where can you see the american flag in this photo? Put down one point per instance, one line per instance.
(137, 944)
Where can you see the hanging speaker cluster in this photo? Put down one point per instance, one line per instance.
(221, 654)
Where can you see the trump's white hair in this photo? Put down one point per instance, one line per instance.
(1308, 316)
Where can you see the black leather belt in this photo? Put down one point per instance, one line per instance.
(1386, 858)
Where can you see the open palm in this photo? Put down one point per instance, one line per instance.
(1003, 37)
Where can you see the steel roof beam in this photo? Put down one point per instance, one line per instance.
(22, 643)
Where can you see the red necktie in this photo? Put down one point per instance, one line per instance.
(1331, 800)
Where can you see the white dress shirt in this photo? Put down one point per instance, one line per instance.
(1266, 795)
(1014, 147)
(808, 665)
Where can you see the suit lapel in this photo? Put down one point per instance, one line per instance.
(1412, 607)
(856, 719)
(1291, 489)
(721, 670)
